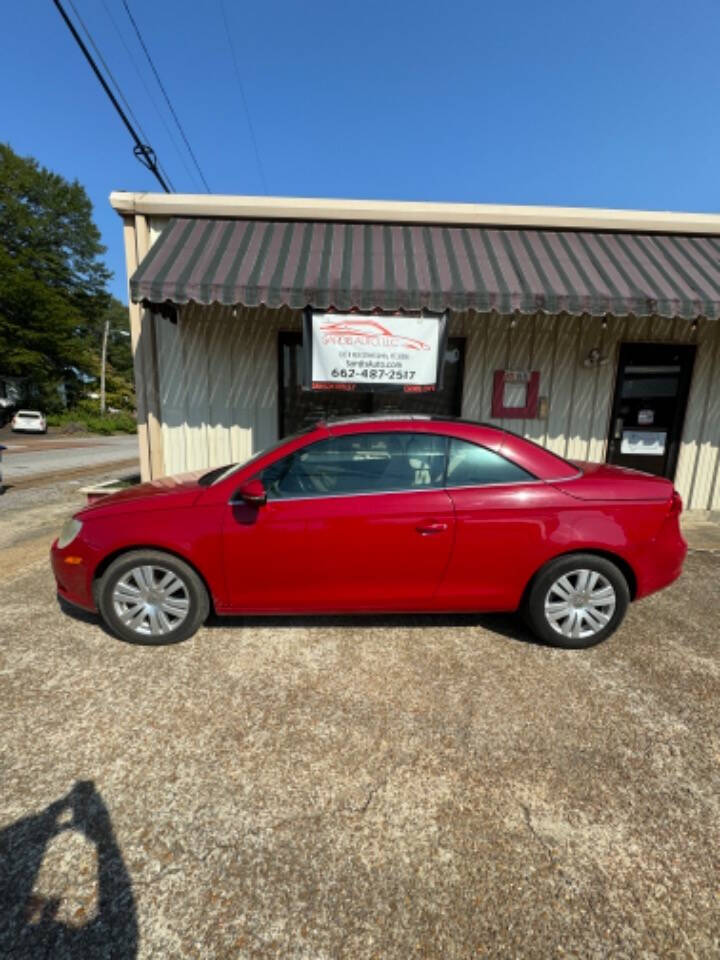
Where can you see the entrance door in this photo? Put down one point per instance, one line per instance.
(651, 392)
(300, 408)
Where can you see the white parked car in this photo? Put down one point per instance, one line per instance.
(29, 421)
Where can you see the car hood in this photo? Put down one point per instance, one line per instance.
(601, 481)
(163, 494)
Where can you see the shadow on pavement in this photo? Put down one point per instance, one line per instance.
(64, 889)
(506, 624)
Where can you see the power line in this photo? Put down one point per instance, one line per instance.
(243, 97)
(171, 137)
(164, 93)
(144, 152)
(114, 82)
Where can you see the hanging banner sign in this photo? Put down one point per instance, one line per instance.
(363, 351)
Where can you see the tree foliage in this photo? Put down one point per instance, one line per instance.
(53, 283)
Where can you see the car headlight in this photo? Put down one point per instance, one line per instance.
(71, 528)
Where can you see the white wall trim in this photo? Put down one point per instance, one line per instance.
(391, 211)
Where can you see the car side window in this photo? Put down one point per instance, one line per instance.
(359, 463)
(471, 465)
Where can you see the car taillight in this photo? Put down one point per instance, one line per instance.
(676, 504)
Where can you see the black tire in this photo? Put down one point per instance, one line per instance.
(192, 588)
(533, 608)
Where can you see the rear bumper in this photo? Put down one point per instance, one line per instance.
(73, 580)
(663, 560)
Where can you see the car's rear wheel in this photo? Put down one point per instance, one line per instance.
(577, 601)
(151, 597)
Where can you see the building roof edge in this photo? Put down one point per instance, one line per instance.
(392, 211)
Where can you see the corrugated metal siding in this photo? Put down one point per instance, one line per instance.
(580, 398)
(218, 384)
(218, 381)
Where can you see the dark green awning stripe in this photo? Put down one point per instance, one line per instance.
(153, 254)
(607, 279)
(389, 266)
(192, 260)
(158, 280)
(672, 263)
(231, 283)
(412, 280)
(252, 290)
(274, 288)
(504, 305)
(382, 266)
(527, 297)
(366, 296)
(551, 298)
(596, 304)
(457, 283)
(324, 273)
(637, 294)
(344, 293)
(659, 265)
(656, 304)
(701, 252)
(211, 271)
(574, 303)
(435, 286)
(714, 282)
(480, 290)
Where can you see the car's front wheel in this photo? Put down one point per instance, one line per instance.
(577, 600)
(151, 597)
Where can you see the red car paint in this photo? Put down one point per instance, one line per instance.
(436, 549)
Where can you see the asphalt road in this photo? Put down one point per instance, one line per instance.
(29, 455)
(401, 787)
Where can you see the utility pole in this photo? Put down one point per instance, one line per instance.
(103, 358)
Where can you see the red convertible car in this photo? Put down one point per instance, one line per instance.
(378, 515)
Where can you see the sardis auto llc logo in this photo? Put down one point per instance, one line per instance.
(365, 332)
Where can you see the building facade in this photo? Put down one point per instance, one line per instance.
(615, 313)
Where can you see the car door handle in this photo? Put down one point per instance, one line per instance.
(431, 528)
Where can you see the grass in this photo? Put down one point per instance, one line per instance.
(84, 421)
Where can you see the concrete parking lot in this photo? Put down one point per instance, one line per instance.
(408, 787)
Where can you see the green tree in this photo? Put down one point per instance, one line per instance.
(52, 279)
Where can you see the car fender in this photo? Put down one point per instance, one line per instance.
(190, 535)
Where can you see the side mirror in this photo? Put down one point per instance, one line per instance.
(253, 493)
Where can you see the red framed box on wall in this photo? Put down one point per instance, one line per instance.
(515, 394)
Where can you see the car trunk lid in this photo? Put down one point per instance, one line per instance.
(601, 481)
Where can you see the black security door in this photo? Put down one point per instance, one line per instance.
(302, 408)
(651, 392)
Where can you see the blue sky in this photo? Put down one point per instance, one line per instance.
(601, 104)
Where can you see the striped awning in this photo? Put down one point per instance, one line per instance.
(413, 267)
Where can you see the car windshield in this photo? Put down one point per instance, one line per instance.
(219, 473)
(29, 414)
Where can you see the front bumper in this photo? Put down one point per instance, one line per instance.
(74, 579)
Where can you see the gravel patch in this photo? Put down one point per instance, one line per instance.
(399, 787)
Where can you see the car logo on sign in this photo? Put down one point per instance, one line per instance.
(367, 332)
